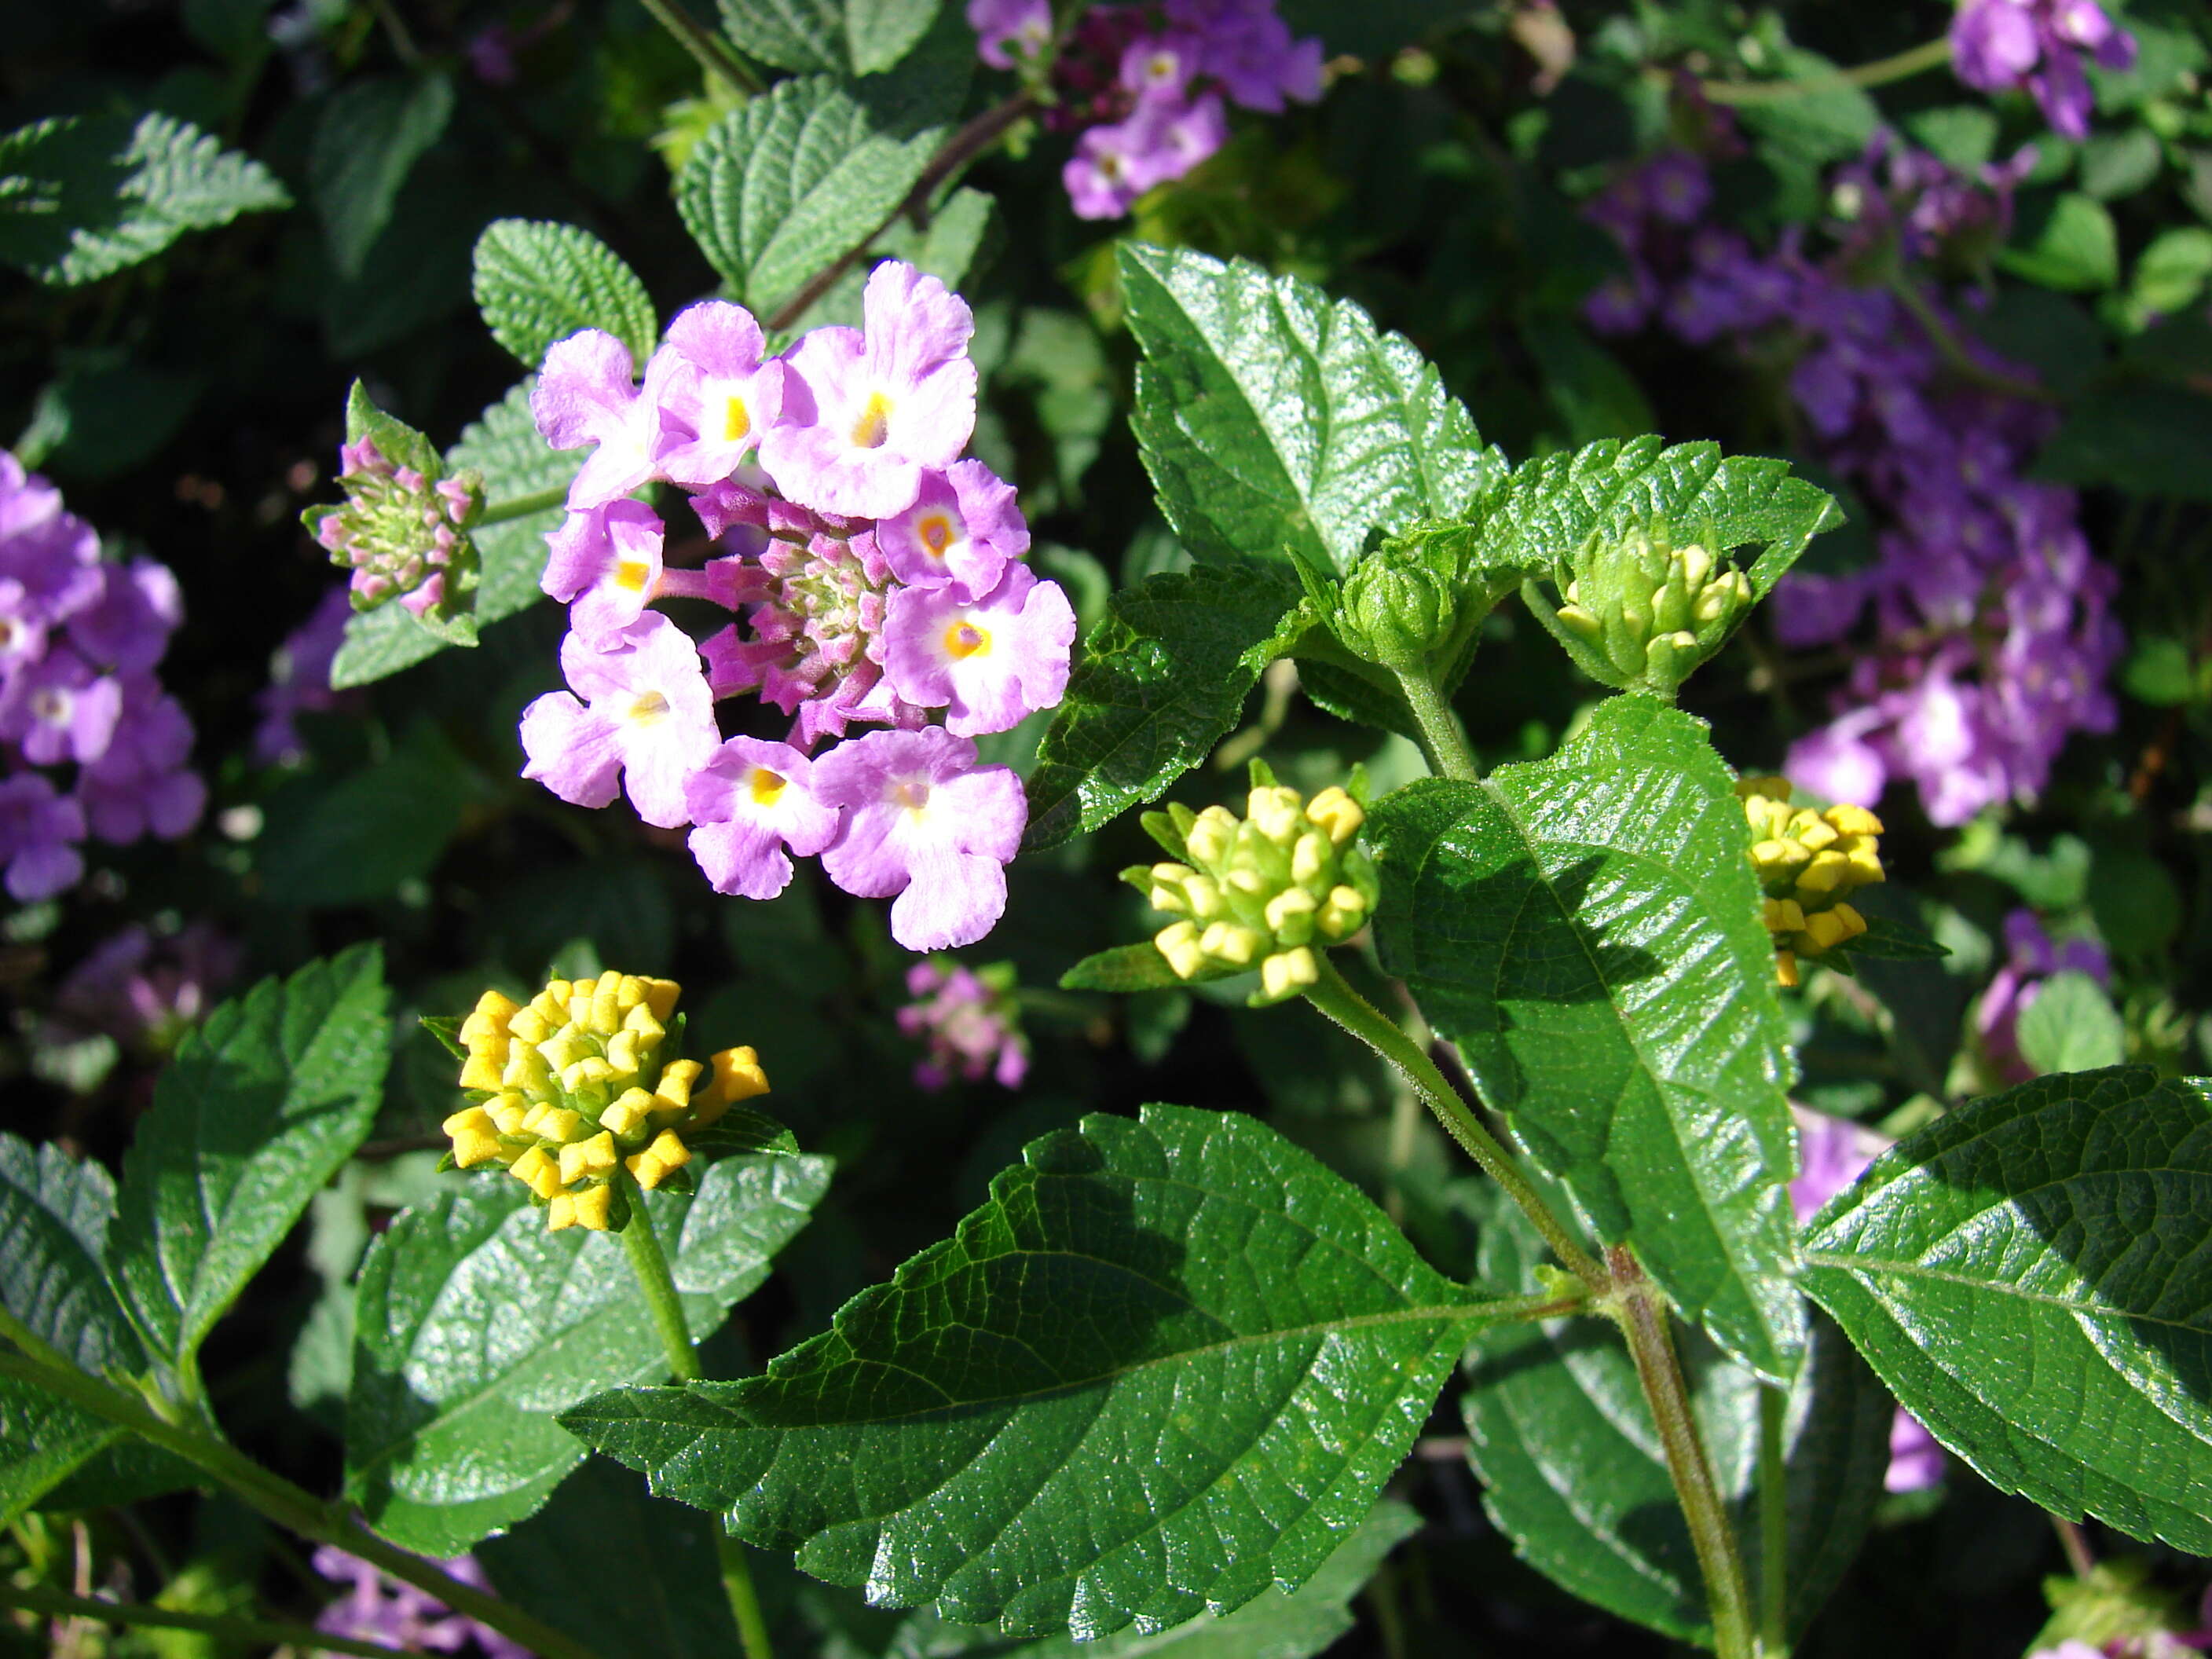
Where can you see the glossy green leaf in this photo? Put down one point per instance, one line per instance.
(1573, 1473)
(1169, 1363)
(2029, 1274)
(1587, 930)
(474, 1325)
(127, 1470)
(43, 1440)
(54, 1216)
(1552, 507)
(2071, 1026)
(1897, 941)
(257, 1109)
(786, 184)
(879, 33)
(83, 196)
(370, 136)
(1161, 681)
(1278, 423)
(537, 283)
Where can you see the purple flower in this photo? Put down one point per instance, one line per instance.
(58, 709)
(972, 1028)
(2031, 958)
(719, 397)
(751, 800)
(1248, 49)
(866, 411)
(1916, 1461)
(584, 395)
(1999, 45)
(926, 824)
(1159, 67)
(1112, 166)
(605, 564)
(146, 993)
(39, 828)
(1007, 28)
(300, 679)
(963, 528)
(129, 625)
(23, 628)
(1838, 762)
(140, 784)
(381, 1609)
(645, 715)
(989, 662)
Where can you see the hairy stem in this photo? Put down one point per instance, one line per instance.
(1335, 998)
(1448, 754)
(55, 1604)
(291, 1506)
(1773, 1524)
(719, 62)
(1917, 60)
(650, 1263)
(1642, 1317)
(521, 506)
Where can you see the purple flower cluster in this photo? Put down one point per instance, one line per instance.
(379, 1609)
(2002, 46)
(1833, 1153)
(1992, 631)
(2030, 957)
(1147, 84)
(300, 680)
(80, 637)
(877, 580)
(971, 1023)
(146, 992)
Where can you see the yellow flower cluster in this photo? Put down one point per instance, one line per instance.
(1260, 890)
(1807, 862)
(575, 1084)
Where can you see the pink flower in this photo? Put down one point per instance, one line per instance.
(1160, 66)
(751, 800)
(584, 396)
(973, 1027)
(606, 562)
(1007, 27)
(925, 825)
(720, 397)
(989, 662)
(647, 715)
(866, 412)
(963, 528)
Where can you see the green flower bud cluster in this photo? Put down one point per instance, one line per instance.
(1642, 614)
(1261, 891)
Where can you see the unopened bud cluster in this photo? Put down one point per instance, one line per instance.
(1261, 891)
(402, 534)
(578, 1083)
(1808, 863)
(1643, 614)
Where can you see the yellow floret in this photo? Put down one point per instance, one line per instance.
(529, 1025)
(660, 996)
(488, 1019)
(673, 1092)
(657, 1162)
(1292, 902)
(1274, 812)
(475, 1137)
(595, 1157)
(1228, 942)
(535, 1170)
(631, 1112)
(560, 1124)
(1784, 916)
(1179, 945)
(1287, 971)
(738, 1075)
(483, 1070)
(594, 1208)
(509, 1112)
(1824, 874)
(1854, 821)
(1336, 812)
(1345, 913)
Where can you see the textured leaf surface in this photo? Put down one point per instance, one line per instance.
(1587, 930)
(504, 447)
(879, 33)
(791, 34)
(1280, 424)
(54, 1214)
(256, 1111)
(43, 1439)
(786, 184)
(1126, 967)
(83, 196)
(1573, 1473)
(474, 1325)
(1550, 508)
(1169, 1363)
(1161, 679)
(2030, 1275)
(370, 135)
(538, 283)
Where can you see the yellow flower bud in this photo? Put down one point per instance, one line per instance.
(530, 1026)
(660, 996)
(563, 1126)
(595, 1157)
(1345, 914)
(1287, 972)
(508, 1112)
(630, 1114)
(1274, 812)
(488, 1020)
(1179, 945)
(1336, 812)
(538, 1172)
(482, 1070)
(1226, 941)
(657, 1162)
(738, 1075)
(1209, 839)
(593, 1208)
(673, 1092)
(474, 1135)
(1291, 908)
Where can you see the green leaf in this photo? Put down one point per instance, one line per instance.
(665, 1552)
(1552, 507)
(504, 447)
(54, 1215)
(2067, 242)
(1572, 1471)
(1126, 967)
(1279, 424)
(1170, 1363)
(785, 185)
(791, 34)
(83, 196)
(1897, 941)
(355, 841)
(257, 1109)
(450, 1436)
(2071, 1026)
(2029, 1275)
(537, 283)
(43, 1440)
(1161, 679)
(127, 1470)
(2173, 270)
(370, 136)
(879, 33)
(2146, 440)
(1587, 930)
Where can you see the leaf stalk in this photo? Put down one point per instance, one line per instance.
(1773, 1524)
(1448, 754)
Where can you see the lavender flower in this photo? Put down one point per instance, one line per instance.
(751, 800)
(378, 1608)
(146, 993)
(970, 1022)
(646, 715)
(2001, 45)
(2030, 957)
(300, 680)
(987, 662)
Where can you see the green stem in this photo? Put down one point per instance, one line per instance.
(291, 1506)
(1642, 1315)
(1954, 355)
(55, 1604)
(521, 506)
(1773, 1524)
(716, 59)
(1335, 998)
(650, 1263)
(1448, 754)
(1927, 54)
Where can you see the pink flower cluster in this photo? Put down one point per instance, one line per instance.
(971, 1023)
(1147, 84)
(876, 581)
(388, 1613)
(397, 530)
(79, 637)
